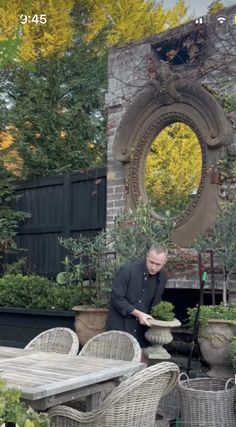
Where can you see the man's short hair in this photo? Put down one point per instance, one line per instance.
(159, 249)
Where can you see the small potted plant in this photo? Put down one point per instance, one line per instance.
(159, 331)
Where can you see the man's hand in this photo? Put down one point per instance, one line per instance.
(142, 317)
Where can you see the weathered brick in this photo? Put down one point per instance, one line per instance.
(119, 188)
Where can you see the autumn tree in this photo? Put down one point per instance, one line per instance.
(215, 7)
(58, 116)
(124, 21)
(23, 40)
(56, 109)
(173, 169)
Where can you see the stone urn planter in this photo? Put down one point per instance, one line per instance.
(89, 321)
(159, 333)
(214, 341)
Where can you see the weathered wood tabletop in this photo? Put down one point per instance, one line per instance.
(47, 379)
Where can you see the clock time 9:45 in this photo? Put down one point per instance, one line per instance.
(36, 19)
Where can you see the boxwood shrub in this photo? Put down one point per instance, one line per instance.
(17, 290)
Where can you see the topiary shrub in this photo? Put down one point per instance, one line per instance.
(163, 311)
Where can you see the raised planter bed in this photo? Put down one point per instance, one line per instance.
(19, 325)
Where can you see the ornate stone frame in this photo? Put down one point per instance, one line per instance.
(164, 101)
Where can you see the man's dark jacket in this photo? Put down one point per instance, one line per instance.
(134, 288)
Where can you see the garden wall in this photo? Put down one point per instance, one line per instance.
(181, 75)
(149, 90)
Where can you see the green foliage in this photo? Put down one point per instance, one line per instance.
(59, 117)
(163, 311)
(227, 167)
(10, 50)
(212, 312)
(221, 239)
(56, 108)
(9, 218)
(230, 103)
(14, 411)
(18, 267)
(55, 112)
(215, 7)
(88, 257)
(129, 238)
(136, 231)
(233, 352)
(36, 292)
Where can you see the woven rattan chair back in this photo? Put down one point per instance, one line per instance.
(55, 340)
(113, 345)
(132, 404)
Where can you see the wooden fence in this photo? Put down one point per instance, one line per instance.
(66, 206)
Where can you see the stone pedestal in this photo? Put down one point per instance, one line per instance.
(159, 334)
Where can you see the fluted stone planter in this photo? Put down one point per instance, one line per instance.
(214, 342)
(159, 334)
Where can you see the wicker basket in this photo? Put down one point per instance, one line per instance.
(207, 402)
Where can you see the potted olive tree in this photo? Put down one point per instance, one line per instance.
(218, 326)
(90, 267)
(159, 332)
(221, 239)
(92, 263)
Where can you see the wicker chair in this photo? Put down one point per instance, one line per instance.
(113, 345)
(132, 404)
(55, 340)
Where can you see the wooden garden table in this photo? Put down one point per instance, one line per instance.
(48, 379)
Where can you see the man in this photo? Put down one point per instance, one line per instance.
(136, 289)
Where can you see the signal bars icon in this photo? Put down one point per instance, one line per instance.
(203, 19)
(199, 21)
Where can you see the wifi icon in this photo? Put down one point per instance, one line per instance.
(221, 19)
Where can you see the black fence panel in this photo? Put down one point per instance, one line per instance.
(67, 206)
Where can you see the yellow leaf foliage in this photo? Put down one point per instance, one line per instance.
(129, 20)
(173, 168)
(6, 140)
(38, 40)
(11, 158)
(215, 7)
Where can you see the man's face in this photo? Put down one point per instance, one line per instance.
(155, 262)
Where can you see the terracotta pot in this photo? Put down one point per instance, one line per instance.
(158, 334)
(214, 341)
(89, 321)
